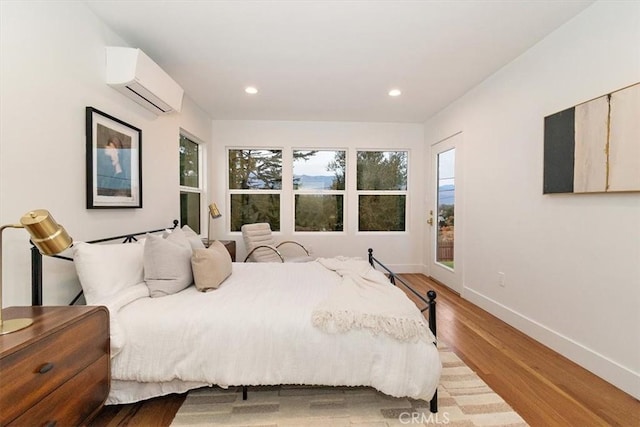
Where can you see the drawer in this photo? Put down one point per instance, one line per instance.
(75, 401)
(33, 372)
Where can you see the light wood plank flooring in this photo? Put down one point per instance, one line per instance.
(546, 389)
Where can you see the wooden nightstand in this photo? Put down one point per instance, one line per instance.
(231, 247)
(56, 371)
(229, 244)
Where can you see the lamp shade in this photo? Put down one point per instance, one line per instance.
(213, 213)
(213, 210)
(46, 234)
(49, 237)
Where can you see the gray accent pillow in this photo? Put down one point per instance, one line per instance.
(211, 266)
(167, 264)
(194, 240)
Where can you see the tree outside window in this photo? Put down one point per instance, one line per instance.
(190, 183)
(381, 180)
(319, 189)
(255, 184)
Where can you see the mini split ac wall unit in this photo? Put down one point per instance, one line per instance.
(134, 74)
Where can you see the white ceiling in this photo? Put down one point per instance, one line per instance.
(332, 60)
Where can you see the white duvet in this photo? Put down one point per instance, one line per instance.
(256, 329)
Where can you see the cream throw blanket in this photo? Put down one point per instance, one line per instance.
(366, 300)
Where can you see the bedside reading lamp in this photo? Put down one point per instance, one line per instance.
(213, 213)
(49, 237)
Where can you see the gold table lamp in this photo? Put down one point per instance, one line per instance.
(49, 237)
(213, 213)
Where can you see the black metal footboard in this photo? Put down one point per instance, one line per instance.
(430, 302)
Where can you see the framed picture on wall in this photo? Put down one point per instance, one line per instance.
(114, 162)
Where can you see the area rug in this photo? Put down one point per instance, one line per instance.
(463, 399)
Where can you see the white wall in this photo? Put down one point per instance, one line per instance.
(572, 262)
(563, 255)
(402, 250)
(52, 67)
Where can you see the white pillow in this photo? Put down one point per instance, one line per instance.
(167, 264)
(193, 238)
(177, 236)
(106, 270)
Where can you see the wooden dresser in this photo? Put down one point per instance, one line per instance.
(56, 371)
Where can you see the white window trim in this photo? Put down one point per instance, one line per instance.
(202, 181)
(405, 192)
(321, 192)
(230, 191)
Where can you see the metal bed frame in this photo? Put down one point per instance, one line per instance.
(36, 287)
(430, 302)
(36, 261)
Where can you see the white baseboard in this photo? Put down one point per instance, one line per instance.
(611, 371)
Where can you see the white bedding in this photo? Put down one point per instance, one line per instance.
(256, 329)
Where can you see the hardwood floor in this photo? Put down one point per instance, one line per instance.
(545, 388)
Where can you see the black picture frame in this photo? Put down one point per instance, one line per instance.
(114, 162)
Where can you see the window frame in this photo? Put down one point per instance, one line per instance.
(404, 192)
(261, 191)
(201, 188)
(312, 192)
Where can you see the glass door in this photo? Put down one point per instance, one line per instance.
(445, 207)
(444, 200)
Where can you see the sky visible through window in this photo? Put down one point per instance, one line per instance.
(316, 165)
(446, 163)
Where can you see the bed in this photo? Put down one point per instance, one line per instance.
(266, 324)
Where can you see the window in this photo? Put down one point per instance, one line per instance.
(190, 183)
(319, 189)
(381, 179)
(255, 185)
(446, 207)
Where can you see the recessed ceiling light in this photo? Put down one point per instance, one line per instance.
(395, 92)
(251, 90)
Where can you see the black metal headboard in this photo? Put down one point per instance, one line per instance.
(36, 261)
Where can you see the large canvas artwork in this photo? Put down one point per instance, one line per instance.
(594, 147)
